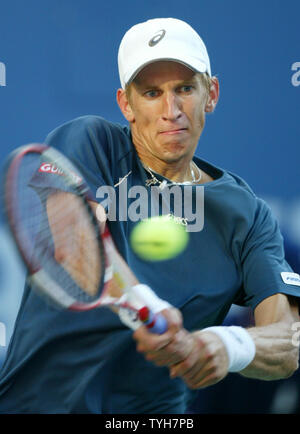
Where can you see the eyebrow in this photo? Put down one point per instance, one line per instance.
(142, 85)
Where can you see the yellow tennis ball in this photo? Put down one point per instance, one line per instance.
(158, 238)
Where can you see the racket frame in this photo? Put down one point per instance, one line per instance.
(40, 277)
(37, 275)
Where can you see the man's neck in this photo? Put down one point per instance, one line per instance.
(176, 171)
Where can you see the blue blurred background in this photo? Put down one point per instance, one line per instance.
(60, 61)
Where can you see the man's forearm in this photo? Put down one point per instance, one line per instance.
(276, 354)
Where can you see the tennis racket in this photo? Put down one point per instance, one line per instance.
(69, 261)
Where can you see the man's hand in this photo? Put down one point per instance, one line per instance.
(199, 358)
(207, 363)
(171, 347)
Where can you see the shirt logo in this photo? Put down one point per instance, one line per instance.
(290, 278)
(156, 38)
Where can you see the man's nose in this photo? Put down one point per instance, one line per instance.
(172, 109)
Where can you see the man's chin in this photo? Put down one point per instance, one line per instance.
(175, 153)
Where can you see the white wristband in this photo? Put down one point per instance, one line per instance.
(239, 345)
(145, 295)
(140, 295)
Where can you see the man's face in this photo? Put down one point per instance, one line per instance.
(167, 105)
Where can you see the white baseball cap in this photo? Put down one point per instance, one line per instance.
(160, 39)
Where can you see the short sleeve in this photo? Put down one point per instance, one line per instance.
(84, 142)
(264, 266)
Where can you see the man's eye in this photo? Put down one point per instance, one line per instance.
(151, 93)
(186, 88)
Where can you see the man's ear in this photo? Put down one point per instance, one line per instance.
(213, 96)
(125, 107)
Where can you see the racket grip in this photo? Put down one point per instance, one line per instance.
(155, 322)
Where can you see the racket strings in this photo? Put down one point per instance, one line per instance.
(59, 233)
(75, 242)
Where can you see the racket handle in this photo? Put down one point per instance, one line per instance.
(155, 323)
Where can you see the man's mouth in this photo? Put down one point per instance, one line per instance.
(173, 131)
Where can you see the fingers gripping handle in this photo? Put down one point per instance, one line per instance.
(151, 306)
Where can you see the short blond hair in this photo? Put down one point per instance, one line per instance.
(205, 80)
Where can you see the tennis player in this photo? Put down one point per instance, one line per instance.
(64, 362)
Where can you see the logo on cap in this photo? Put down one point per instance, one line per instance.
(156, 38)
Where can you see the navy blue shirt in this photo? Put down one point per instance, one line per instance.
(67, 362)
